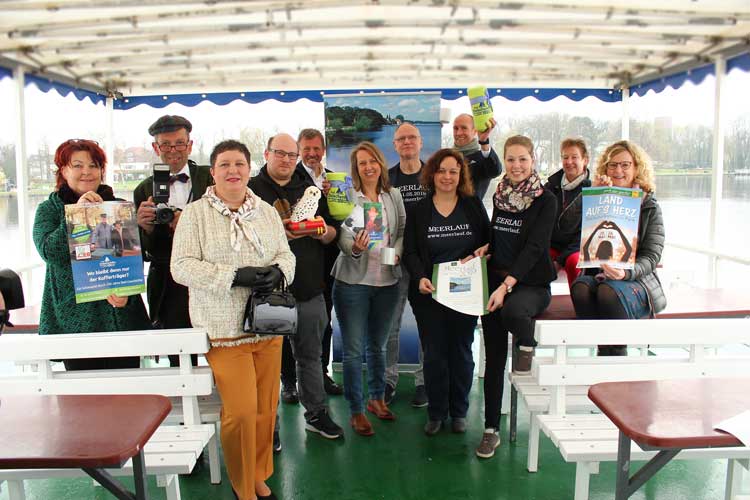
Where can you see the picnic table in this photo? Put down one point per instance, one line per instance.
(81, 432)
(669, 416)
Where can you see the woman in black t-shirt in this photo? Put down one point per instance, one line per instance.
(445, 226)
(520, 271)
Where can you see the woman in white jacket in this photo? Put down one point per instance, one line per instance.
(227, 244)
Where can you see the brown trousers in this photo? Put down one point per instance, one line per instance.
(247, 377)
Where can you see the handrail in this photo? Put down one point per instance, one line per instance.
(711, 253)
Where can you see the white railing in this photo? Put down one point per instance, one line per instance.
(714, 256)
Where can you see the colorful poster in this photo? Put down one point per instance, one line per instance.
(609, 226)
(462, 287)
(353, 118)
(105, 250)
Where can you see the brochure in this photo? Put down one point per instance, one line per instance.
(462, 287)
(105, 250)
(373, 217)
(609, 226)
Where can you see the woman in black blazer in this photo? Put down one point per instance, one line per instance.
(445, 226)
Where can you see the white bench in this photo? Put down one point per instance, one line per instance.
(588, 439)
(173, 449)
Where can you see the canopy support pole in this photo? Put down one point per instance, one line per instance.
(625, 114)
(109, 139)
(717, 171)
(22, 171)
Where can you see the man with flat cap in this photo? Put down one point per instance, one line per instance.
(167, 300)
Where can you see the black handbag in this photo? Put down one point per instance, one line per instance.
(271, 313)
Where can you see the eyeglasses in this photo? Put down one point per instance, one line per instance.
(411, 138)
(180, 146)
(625, 165)
(281, 154)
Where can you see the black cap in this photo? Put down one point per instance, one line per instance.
(169, 123)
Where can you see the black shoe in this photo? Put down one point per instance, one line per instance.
(390, 393)
(271, 496)
(322, 424)
(458, 425)
(289, 394)
(420, 397)
(276, 442)
(331, 387)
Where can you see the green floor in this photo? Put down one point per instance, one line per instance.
(400, 462)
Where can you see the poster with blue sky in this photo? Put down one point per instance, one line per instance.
(353, 118)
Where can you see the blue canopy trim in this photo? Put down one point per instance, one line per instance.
(696, 75)
(5, 72)
(45, 85)
(740, 62)
(221, 99)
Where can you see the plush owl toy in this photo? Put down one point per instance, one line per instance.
(307, 205)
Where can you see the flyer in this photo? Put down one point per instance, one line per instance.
(462, 287)
(609, 226)
(105, 250)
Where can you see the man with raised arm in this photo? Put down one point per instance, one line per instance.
(483, 162)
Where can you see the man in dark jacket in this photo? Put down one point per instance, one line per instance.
(312, 148)
(406, 177)
(283, 186)
(168, 301)
(483, 162)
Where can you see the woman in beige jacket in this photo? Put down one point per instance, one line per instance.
(226, 245)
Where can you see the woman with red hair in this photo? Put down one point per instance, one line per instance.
(80, 172)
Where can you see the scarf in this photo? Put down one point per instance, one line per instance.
(571, 185)
(517, 198)
(239, 221)
(469, 147)
(70, 197)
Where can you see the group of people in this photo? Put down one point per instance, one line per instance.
(228, 239)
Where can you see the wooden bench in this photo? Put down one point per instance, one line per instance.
(588, 439)
(173, 449)
(693, 303)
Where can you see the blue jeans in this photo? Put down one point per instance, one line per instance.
(365, 314)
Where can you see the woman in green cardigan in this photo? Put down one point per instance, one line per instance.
(80, 171)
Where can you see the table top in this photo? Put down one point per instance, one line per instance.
(76, 431)
(673, 413)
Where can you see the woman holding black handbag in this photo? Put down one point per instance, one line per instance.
(227, 245)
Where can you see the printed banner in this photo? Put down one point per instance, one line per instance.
(353, 118)
(105, 250)
(609, 226)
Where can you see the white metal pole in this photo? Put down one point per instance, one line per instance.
(717, 171)
(625, 113)
(22, 171)
(109, 141)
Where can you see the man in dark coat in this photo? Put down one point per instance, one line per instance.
(167, 300)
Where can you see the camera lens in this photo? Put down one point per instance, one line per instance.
(164, 215)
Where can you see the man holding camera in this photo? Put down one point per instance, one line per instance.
(160, 199)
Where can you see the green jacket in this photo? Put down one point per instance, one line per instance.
(157, 246)
(60, 313)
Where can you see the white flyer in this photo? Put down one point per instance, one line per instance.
(462, 287)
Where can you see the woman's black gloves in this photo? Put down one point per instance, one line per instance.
(260, 279)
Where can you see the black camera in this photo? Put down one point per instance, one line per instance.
(164, 211)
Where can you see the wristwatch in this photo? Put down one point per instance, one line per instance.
(484, 142)
(508, 288)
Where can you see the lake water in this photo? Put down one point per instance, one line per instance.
(685, 202)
